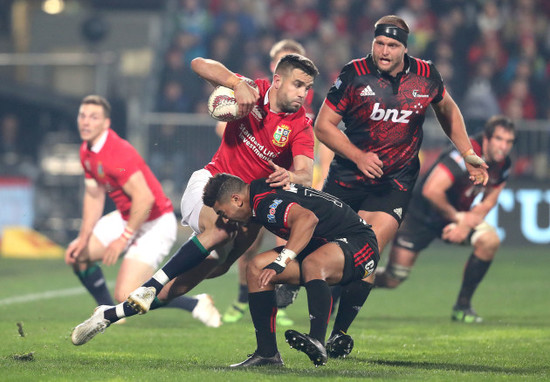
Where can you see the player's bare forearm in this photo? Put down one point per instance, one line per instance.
(489, 201)
(450, 118)
(92, 209)
(302, 223)
(214, 72)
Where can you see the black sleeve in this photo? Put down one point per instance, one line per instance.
(337, 95)
(272, 211)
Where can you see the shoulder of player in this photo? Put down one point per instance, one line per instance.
(263, 85)
(118, 143)
(423, 68)
(356, 68)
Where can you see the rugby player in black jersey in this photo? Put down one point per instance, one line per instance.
(382, 100)
(327, 243)
(441, 206)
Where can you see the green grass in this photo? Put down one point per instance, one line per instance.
(404, 334)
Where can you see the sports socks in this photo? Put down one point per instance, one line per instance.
(188, 256)
(263, 310)
(352, 298)
(124, 309)
(94, 281)
(474, 271)
(319, 302)
(182, 302)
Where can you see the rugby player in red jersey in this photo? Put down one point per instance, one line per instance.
(143, 224)
(273, 135)
(441, 206)
(382, 99)
(236, 310)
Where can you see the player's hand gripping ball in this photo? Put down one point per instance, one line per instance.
(222, 104)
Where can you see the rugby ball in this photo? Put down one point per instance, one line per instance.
(222, 104)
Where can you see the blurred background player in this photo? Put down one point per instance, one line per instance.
(237, 309)
(382, 99)
(441, 206)
(143, 224)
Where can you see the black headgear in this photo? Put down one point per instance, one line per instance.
(392, 31)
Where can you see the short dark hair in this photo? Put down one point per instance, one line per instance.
(94, 99)
(498, 120)
(393, 20)
(220, 187)
(296, 61)
(286, 45)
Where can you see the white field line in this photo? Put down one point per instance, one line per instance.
(44, 295)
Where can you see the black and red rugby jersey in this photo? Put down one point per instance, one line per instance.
(462, 192)
(384, 114)
(270, 207)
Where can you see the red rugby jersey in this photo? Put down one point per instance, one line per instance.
(248, 143)
(113, 165)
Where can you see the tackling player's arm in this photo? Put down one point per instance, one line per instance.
(142, 197)
(451, 120)
(301, 222)
(217, 74)
(327, 131)
(92, 209)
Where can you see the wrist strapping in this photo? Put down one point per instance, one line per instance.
(128, 233)
(472, 158)
(285, 256)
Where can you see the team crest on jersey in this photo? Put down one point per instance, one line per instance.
(280, 137)
(100, 171)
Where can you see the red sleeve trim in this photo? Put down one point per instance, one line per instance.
(446, 169)
(423, 68)
(258, 198)
(285, 217)
(360, 71)
(476, 146)
(330, 104)
(364, 66)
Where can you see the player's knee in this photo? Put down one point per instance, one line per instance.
(487, 243)
(392, 276)
(254, 267)
(486, 239)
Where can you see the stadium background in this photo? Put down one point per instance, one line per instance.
(493, 56)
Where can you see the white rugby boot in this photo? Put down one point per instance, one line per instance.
(141, 299)
(206, 312)
(92, 326)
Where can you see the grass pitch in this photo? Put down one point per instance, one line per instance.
(402, 334)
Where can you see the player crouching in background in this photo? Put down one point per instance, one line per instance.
(442, 207)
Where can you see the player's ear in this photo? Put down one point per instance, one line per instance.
(237, 199)
(277, 80)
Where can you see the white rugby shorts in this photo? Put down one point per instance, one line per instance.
(191, 201)
(151, 243)
(191, 206)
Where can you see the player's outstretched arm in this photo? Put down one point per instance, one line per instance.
(451, 120)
